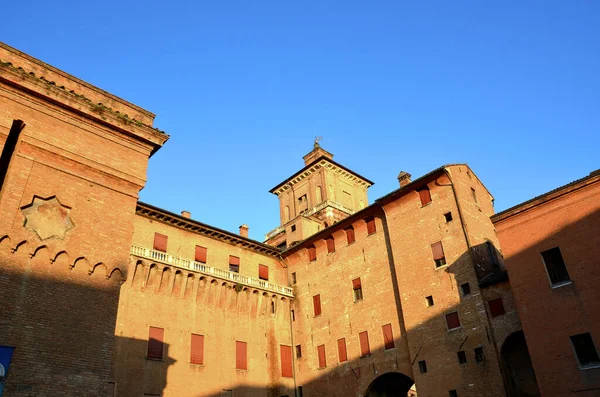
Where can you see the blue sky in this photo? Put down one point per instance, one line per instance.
(512, 88)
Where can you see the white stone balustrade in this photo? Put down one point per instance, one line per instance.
(163, 257)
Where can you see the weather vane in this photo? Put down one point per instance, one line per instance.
(317, 139)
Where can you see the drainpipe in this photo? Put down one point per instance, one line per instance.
(284, 264)
(474, 263)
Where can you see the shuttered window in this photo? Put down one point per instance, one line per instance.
(342, 353)
(365, 350)
(263, 272)
(452, 320)
(496, 307)
(388, 337)
(317, 304)
(155, 343)
(438, 254)
(200, 254)
(357, 288)
(234, 264)
(286, 361)
(197, 349)
(321, 353)
(425, 195)
(312, 253)
(371, 225)
(350, 235)
(330, 244)
(160, 242)
(241, 355)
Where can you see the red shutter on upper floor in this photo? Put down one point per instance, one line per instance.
(234, 260)
(160, 242)
(155, 343)
(197, 349)
(365, 350)
(312, 253)
(371, 225)
(200, 254)
(322, 359)
(388, 337)
(356, 283)
(317, 304)
(241, 355)
(286, 361)
(263, 272)
(350, 235)
(496, 307)
(438, 251)
(330, 244)
(425, 195)
(342, 353)
(452, 320)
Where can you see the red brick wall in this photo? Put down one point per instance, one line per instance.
(549, 316)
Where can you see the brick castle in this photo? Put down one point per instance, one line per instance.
(425, 291)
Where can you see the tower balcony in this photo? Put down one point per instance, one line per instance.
(163, 257)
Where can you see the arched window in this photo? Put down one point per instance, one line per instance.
(318, 194)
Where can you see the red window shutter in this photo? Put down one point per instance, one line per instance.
(312, 253)
(317, 304)
(371, 225)
(356, 283)
(322, 359)
(342, 353)
(496, 307)
(388, 337)
(155, 343)
(330, 244)
(438, 251)
(201, 254)
(286, 361)
(263, 272)
(197, 349)
(234, 260)
(160, 242)
(452, 320)
(241, 355)
(365, 350)
(350, 235)
(425, 195)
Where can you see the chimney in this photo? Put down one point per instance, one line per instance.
(403, 178)
(244, 230)
(186, 214)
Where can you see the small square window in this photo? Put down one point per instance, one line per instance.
(448, 216)
(452, 320)
(294, 278)
(462, 357)
(496, 307)
(298, 351)
(429, 300)
(452, 393)
(585, 350)
(479, 356)
(466, 289)
(422, 366)
(293, 228)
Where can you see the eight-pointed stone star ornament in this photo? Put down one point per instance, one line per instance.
(47, 217)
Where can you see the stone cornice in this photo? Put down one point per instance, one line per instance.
(170, 218)
(319, 163)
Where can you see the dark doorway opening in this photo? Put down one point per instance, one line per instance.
(516, 364)
(392, 384)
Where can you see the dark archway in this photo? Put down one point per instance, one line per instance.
(518, 371)
(392, 384)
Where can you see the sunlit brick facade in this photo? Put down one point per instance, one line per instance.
(106, 295)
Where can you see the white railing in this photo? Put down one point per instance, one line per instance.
(274, 232)
(163, 257)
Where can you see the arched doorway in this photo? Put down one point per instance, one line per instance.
(392, 384)
(516, 364)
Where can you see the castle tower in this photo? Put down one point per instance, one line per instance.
(319, 195)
